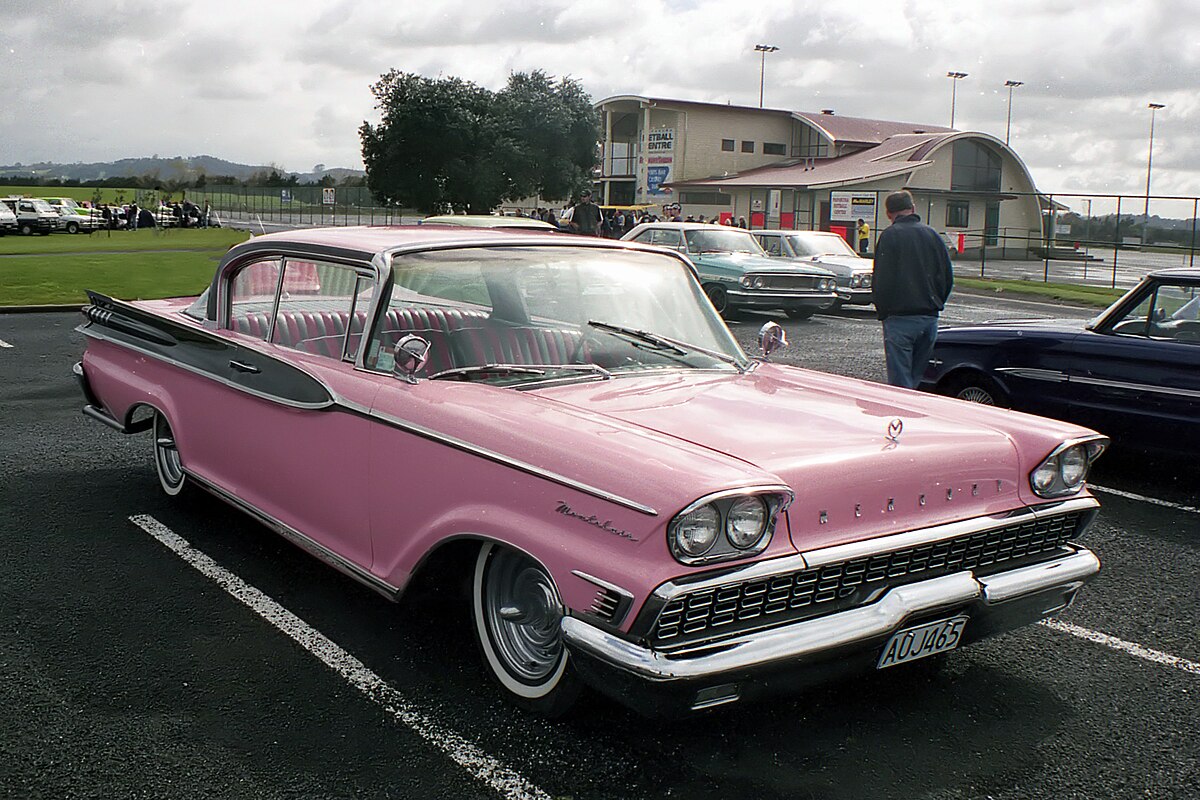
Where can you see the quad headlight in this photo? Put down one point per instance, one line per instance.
(726, 526)
(827, 284)
(860, 280)
(1065, 470)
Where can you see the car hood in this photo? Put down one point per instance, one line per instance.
(1052, 327)
(827, 438)
(747, 262)
(844, 265)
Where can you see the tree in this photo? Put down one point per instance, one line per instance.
(449, 144)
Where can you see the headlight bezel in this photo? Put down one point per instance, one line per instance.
(1054, 483)
(775, 500)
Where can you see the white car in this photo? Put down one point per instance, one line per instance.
(8, 219)
(33, 215)
(855, 274)
(73, 217)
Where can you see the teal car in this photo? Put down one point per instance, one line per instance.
(737, 274)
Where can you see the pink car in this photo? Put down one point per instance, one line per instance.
(641, 507)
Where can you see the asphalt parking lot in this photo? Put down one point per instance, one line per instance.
(233, 665)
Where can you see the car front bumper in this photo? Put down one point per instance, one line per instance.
(813, 651)
(741, 298)
(856, 297)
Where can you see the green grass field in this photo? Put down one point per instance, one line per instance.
(40, 270)
(1098, 296)
(78, 193)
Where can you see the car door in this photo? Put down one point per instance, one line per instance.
(1136, 377)
(273, 428)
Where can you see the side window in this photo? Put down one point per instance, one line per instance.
(252, 298)
(772, 244)
(314, 308)
(645, 237)
(364, 293)
(1176, 313)
(667, 238)
(958, 213)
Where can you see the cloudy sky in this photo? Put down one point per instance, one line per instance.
(287, 81)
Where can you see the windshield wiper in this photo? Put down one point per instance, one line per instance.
(518, 369)
(484, 369)
(666, 342)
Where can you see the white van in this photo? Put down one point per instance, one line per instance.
(8, 219)
(33, 215)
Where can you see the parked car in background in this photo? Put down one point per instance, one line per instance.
(855, 274)
(737, 274)
(1133, 372)
(73, 217)
(563, 427)
(488, 221)
(33, 215)
(8, 219)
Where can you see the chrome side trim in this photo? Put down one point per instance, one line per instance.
(951, 530)
(1136, 387)
(499, 458)
(1035, 374)
(297, 538)
(603, 584)
(857, 627)
(93, 334)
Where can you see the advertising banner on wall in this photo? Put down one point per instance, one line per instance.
(852, 206)
(660, 140)
(656, 176)
(660, 155)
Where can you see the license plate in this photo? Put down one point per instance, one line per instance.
(923, 640)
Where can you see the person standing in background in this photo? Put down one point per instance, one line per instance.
(913, 279)
(864, 236)
(587, 216)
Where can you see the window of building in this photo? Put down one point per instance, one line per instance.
(747, 147)
(727, 145)
(976, 168)
(958, 213)
(704, 198)
(774, 149)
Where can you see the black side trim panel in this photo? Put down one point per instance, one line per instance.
(203, 353)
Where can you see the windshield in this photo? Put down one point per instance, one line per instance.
(721, 240)
(809, 246)
(41, 205)
(574, 313)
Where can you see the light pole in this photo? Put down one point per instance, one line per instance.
(954, 79)
(1154, 107)
(762, 69)
(1008, 128)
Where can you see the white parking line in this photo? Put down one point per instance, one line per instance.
(1144, 499)
(1130, 648)
(4, 343)
(465, 753)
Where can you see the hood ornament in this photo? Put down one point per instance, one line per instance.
(894, 429)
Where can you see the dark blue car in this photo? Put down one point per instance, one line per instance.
(1132, 373)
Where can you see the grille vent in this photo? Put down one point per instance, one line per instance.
(750, 605)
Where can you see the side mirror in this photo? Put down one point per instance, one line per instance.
(409, 355)
(771, 337)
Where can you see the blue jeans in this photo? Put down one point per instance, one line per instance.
(907, 344)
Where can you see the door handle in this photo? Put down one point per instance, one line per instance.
(242, 366)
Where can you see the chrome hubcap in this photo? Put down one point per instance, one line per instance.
(976, 394)
(523, 615)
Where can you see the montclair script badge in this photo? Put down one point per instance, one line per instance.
(895, 427)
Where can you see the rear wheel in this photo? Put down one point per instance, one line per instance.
(717, 296)
(977, 388)
(517, 615)
(166, 457)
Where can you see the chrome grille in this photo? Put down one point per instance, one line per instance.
(787, 282)
(768, 602)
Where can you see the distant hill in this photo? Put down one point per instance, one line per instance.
(176, 167)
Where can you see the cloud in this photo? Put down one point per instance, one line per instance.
(290, 83)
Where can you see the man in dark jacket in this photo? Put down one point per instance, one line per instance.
(913, 278)
(587, 216)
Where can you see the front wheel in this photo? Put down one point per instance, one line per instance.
(167, 463)
(800, 313)
(718, 297)
(517, 615)
(72, 227)
(26, 229)
(976, 388)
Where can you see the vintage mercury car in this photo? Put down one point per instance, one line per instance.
(1132, 372)
(855, 274)
(567, 424)
(736, 273)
